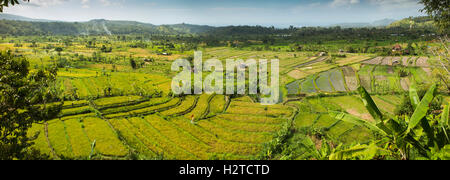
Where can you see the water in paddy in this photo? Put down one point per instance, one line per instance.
(293, 87)
(308, 85)
(323, 82)
(337, 80)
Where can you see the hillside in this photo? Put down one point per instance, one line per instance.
(5, 16)
(18, 25)
(379, 23)
(423, 22)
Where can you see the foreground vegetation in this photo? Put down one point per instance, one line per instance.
(67, 93)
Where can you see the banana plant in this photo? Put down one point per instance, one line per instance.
(399, 135)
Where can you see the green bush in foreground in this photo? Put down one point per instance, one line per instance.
(422, 135)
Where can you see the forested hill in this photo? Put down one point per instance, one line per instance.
(18, 25)
(415, 22)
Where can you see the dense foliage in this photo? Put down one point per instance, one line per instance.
(23, 99)
(440, 11)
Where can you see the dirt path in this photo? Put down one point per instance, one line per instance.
(48, 140)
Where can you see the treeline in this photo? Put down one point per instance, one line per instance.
(94, 27)
(313, 34)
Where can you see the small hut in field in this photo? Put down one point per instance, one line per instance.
(397, 48)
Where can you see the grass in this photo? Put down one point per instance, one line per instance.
(76, 111)
(308, 85)
(187, 104)
(40, 143)
(251, 119)
(356, 135)
(80, 143)
(238, 107)
(147, 110)
(200, 109)
(324, 121)
(383, 105)
(59, 140)
(115, 100)
(136, 139)
(149, 103)
(245, 126)
(218, 145)
(107, 141)
(234, 135)
(305, 119)
(194, 146)
(72, 104)
(339, 129)
(169, 148)
(217, 105)
(140, 117)
(259, 111)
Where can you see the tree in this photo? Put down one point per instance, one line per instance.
(133, 63)
(24, 100)
(6, 3)
(439, 10)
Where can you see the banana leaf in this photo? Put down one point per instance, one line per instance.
(370, 104)
(444, 116)
(355, 120)
(444, 121)
(414, 97)
(359, 151)
(422, 109)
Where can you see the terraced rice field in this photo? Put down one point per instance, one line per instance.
(351, 81)
(375, 78)
(96, 84)
(314, 114)
(323, 82)
(337, 80)
(404, 61)
(162, 127)
(308, 85)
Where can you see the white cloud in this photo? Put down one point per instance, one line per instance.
(45, 3)
(111, 2)
(105, 2)
(396, 4)
(85, 4)
(337, 3)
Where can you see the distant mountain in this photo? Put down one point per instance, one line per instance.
(191, 28)
(18, 25)
(4, 16)
(383, 22)
(379, 23)
(415, 22)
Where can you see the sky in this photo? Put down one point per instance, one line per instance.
(279, 13)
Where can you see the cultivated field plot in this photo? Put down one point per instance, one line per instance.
(319, 64)
(402, 61)
(376, 78)
(351, 81)
(314, 114)
(97, 84)
(192, 127)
